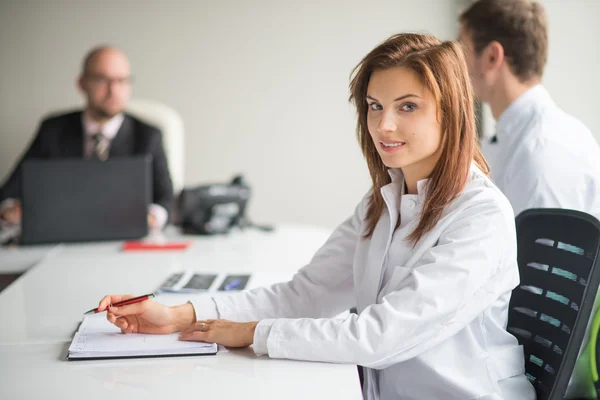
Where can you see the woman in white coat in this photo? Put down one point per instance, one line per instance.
(428, 258)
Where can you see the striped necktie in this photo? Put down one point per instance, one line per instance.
(100, 147)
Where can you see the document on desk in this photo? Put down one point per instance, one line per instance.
(97, 338)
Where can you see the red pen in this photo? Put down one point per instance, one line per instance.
(124, 302)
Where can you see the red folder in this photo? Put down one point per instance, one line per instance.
(139, 246)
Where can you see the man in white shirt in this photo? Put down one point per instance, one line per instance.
(100, 131)
(540, 156)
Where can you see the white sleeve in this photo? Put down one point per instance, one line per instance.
(323, 288)
(453, 283)
(160, 214)
(204, 308)
(261, 336)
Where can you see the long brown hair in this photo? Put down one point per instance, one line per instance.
(443, 70)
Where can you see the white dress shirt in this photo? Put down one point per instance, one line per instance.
(90, 127)
(544, 157)
(431, 320)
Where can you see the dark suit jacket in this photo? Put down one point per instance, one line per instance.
(62, 137)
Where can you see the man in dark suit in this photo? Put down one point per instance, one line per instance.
(100, 131)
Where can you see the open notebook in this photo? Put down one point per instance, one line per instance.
(97, 338)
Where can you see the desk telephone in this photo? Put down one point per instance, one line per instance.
(216, 208)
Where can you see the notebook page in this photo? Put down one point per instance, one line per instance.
(97, 324)
(98, 336)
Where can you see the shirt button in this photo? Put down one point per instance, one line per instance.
(411, 204)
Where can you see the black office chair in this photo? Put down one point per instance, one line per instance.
(550, 309)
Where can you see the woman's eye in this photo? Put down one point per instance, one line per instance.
(375, 107)
(408, 107)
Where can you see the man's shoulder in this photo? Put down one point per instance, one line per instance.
(553, 136)
(142, 127)
(552, 125)
(58, 118)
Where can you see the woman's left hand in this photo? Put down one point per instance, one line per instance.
(221, 331)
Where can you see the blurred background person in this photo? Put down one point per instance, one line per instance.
(101, 131)
(540, 156)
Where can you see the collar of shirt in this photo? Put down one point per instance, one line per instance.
(422, 185)
(398, 201)
(521, 111)
(398, 179)
(109, 129)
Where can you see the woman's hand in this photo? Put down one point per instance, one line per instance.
(147, 316)
(223, 332)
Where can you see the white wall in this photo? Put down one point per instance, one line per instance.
(571, 75)
(262, 86)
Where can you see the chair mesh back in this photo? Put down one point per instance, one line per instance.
(550, 309)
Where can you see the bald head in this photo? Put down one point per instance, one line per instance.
(101, 55)
(106, 82)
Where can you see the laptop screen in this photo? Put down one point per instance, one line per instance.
(74, 200)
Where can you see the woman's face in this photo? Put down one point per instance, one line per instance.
(402, 120)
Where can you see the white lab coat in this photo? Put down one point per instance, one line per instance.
(544, 158)
(432, 317)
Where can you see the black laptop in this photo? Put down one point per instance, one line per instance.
(74, 200)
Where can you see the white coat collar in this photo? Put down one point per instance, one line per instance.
(393, 192)
(393, 195)
(398, 179)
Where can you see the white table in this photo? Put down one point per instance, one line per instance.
(40, 311)
(18, 259)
